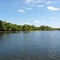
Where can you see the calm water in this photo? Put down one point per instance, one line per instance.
(37, 45)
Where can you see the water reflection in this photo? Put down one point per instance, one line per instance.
(52, 52)
(30, 46)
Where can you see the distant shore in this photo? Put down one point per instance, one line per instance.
(9, 27)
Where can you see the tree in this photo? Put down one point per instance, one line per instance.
(14, 27)
(2, 26)
(42, 27)
(9, 26)
(26, 28)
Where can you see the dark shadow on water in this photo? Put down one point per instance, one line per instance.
(8, 32)
(26, 31)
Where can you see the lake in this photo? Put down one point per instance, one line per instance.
(34, 45)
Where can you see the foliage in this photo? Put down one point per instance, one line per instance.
(4, 26)
(45, 28)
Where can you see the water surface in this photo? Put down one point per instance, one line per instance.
(35, 45)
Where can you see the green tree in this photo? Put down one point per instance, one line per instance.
(26, 28)
(42, 27)
(2, 26)
(9, 26)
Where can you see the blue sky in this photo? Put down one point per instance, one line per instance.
(34, 12)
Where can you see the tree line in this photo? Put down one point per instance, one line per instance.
(5, 26)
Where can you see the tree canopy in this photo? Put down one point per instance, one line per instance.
(5, 26)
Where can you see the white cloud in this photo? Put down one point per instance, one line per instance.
(28, 8)
(48, 2)
(52, 2)
(26, 23)
(36, 21)
(28, 1)
(34, 1)
(38, 6)
(21, 10)
(53, 8)
(41, 1)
